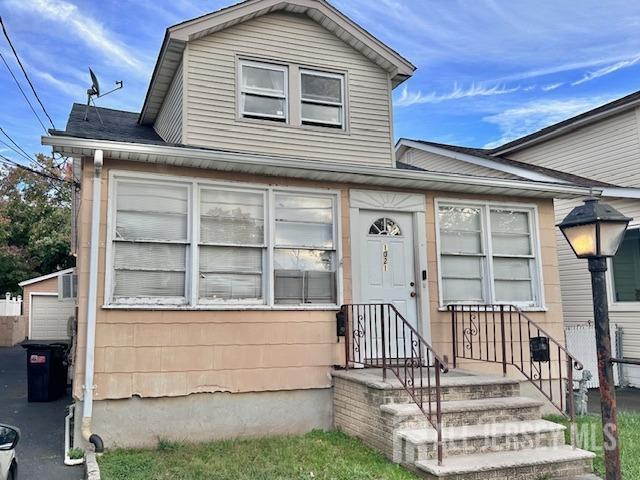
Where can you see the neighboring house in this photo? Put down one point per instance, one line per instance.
(48, 303)
(223, 227)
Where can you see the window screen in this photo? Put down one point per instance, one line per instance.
(322, 100)
(304, 255)
(150, 241)
(263, 91)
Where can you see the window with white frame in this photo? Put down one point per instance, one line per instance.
(322, 98)
(304, 256)
(263, 90)
(625, 269)
(251, 246)
(150, 242)
(488, 254)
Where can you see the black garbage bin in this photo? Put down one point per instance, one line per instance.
(46, 371)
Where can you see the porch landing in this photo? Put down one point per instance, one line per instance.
(489, 430)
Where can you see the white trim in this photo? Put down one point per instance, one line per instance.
(537, 280)
(621, 192)
(482, 162)
(46, 277)
(195, 184)
(313, 169)
(31, 295)
(413, 203)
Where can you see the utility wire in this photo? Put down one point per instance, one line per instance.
(23, 94)
(15, 54)
(22, 151)
(15, 150)
(13, 163)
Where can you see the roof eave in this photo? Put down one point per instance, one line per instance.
(42, 278)
(312, 170)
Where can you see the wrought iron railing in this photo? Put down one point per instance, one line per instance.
(377, 335)
(505, 335)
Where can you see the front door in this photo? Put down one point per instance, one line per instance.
(387, 270)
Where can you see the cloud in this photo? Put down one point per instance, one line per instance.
(408, 98)
(551, 86)
(71, 89)
(92, 32)
(522, 120)
(601, 72)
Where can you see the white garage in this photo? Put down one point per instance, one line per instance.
(49, 317)
(48, 303)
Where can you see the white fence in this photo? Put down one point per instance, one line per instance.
(10, 306)
(581, 343)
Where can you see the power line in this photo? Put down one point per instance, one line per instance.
(15, 150)
(15, 54)
(23, 94)
(13, 163)
(20, 150)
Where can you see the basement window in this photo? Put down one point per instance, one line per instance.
(263, 91)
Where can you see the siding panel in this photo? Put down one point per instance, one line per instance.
(211, 98)
(593, 150)
(169, 121)
(439, 163)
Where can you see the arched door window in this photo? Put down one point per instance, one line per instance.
(385, 226)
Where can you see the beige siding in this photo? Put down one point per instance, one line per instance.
(608, 151)
(172, 353)
(576, 287)
(439, 163)
(169, 121)
(211, 93)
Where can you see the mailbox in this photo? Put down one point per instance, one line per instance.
(539, 349)
(341, 323)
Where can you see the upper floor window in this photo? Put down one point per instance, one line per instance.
(626, 268)
(488, 255)
(322, 98)
(263, 90)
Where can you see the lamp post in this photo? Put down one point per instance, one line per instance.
(594, 231)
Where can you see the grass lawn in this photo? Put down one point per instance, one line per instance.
(316, 455)
(590, 438)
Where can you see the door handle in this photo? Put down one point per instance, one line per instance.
(413, 294)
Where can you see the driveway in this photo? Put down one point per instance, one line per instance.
(41, 448)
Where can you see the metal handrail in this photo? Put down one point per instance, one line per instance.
(475, 328)
(377, 335)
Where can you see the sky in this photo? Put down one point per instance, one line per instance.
(488, 71)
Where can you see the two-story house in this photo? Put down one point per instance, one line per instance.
(257, 195)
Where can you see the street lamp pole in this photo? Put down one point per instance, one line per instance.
(608, 403)
(594, 231)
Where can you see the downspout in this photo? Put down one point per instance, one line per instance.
(87, 404)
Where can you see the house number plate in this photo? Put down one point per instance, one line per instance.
(385, 257)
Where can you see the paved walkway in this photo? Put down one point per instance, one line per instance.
(40, 452)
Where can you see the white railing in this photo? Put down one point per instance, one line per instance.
(10, 306)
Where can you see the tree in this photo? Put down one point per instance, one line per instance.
(35, 221)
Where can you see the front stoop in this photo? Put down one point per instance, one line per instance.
(490, 431)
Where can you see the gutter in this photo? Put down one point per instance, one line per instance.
(88, 387)
(306, 169)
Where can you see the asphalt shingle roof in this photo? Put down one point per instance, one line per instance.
(117, 126)
(484, 153)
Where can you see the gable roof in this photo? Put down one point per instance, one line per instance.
(31, 281)
(329, 17)
(484, 158)
(573, 123)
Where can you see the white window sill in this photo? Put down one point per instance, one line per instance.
(189, 308)
(624, 306)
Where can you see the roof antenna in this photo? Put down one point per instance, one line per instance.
(94, 91)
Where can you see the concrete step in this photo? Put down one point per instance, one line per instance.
(468, 412)
(421, 444)
(455, 386)
(531, 464)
